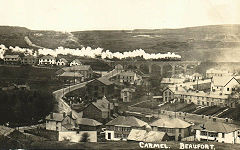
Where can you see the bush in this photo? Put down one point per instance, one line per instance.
(85, 137)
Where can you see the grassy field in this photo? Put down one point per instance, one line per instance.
(36, 78)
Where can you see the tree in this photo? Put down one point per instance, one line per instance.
(24, 106)
(85, 137)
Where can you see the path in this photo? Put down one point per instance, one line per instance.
(63, 106)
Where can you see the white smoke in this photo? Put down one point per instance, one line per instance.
(89, 52)
(2, 50)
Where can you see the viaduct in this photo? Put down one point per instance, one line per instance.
(161, 64)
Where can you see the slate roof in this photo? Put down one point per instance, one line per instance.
(217, 127)
(88, 122)
(146, 136)
(212, 70)
(63, 60)
(170, 122)
(5, 131)
(47, 57)
(102, 104)
(55, 117)
(68, 126)
(223, 81)
(128, 89)
(181, 91)
(77, 68)
(172, 80)
(189, 84)
(127, 73)
(127, 121)
(77, 61)
(11, 56)
(104, 80)
(71, 74)
(29, 57)
(196, 75)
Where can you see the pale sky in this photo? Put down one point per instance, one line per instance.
(73, 15)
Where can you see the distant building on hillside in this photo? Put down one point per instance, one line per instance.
(175, 128)
(85, 70)
(119, 67)
(62, 62)
(218, 132)
(12, 59)
(71, 77)
(195, 77)
(47, 60)
(129, 77)
(29, 60)
(217, 73)
(76, 62)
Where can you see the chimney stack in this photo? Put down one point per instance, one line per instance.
(176, 88)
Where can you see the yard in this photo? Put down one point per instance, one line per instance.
(178, 106)
(210, 110)
(152, 104)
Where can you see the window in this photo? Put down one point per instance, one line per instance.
(223, 135)
(227, 89)
(203, 133)
(212, 134)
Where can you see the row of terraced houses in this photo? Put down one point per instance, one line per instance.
(218, 90)
(44, 60)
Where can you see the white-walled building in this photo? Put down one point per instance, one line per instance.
(175, 128)
(59, 122)
(218, 132)
(76, 62)
(47, 60)
(197, 97)
(224, 85)
(120, 127)
(217, 73)
(127, 94)
(62, 62)
(129, 77)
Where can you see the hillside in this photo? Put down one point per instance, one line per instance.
(204, 43)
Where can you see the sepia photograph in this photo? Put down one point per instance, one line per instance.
(120, 74)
